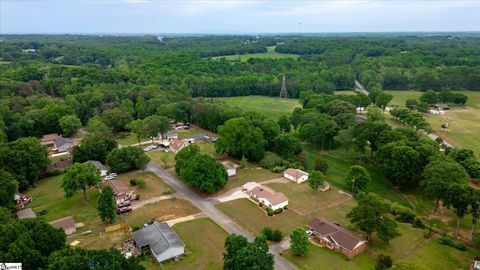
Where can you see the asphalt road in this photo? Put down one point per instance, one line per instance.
(209, 209)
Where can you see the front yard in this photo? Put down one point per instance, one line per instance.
(251, 173)
(154, 186)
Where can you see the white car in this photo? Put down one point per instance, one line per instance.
(113, 174)
(109, 177)
(309, 233)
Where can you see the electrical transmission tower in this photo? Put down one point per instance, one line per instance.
(283, 90)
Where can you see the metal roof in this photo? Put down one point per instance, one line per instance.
(159, 236)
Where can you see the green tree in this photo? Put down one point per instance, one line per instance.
(9, 188)
(239, 138)
(155, 124)
(459, 196)
(184, 155)
(371, 215)
(80, 176)
(299, 241)
(316, 179)
(204, 173)
(127, 159)
(30, 241)
(439, 175)
(25, 159)
(357, 178)
(240, 254)
(70, 124)
(400, 163)
(96, 126)
(85, 259)
(285, 124)
(287, 146)
(412, 104)
(94, 147)
(106, 205)
(429, 97)
(345, 138)
(116, 118)
(136, 127)
(320, 165)
(383, 99)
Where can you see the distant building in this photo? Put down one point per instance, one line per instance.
(265, 195)
(66, 223)
(64, 144)
(26, 213)
(336, 238)
(160, 240)
(102, 168)
(296, 175)
(442, 107)
(49, 139)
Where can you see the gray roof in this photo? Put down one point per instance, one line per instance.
(441, 106)
(62, 141)
(201, 136)
(159, 236)
(97, 164)
(26, 213)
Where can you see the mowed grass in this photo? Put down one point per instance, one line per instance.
(162, 210)
(323, 258)
(272, 107)
(126, 139)
(251, 173)
(204, 246)
(154, 186)
(432, 255)
(400, 97)
(270, 54)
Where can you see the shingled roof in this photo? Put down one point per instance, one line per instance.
(158, 236)
(336, 233)
(274, 197)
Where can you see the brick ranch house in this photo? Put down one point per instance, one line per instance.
(261, 194)
(336, 238)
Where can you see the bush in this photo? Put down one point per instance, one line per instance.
(140, 183)
(439, 140)
(278, 211)
(269, 213)
(272, 235)
(321, 165)
(427, 232)
(403, 214)
(271, 160)
(260, 205)
(133, 182)
(444, 240)
(383, 262)
(285, 207)
(417, 223)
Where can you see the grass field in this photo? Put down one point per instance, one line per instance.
(271, 54)
(128, 139)
(400, 97)
(272, 107)
(154, 186)
(203, 252)
(248, 174)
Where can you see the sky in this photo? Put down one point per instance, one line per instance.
(248, 16)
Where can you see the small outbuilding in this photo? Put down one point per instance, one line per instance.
(26, 213)
(230, 167)
(296, 175)
(442, 107)
(161, 240)
(66, 223)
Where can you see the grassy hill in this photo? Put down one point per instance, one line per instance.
(272, 107)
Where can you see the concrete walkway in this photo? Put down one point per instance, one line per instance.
(140, 203)
(208, 208)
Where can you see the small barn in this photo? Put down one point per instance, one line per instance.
(296, 175)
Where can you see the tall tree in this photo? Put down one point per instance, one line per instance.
(383, 99)
(204, 173)
(439, 175)
(474, 211)
(358, 178)
(136, 127)
(116, 118)
(345, 138)
(459, 196)
(126, 159)
(106, 205)
(9, 188)
(70, 124)
(155, 125)
(240, 254)
(299, 241)
(371, 215)
(80, 176)
(316, 179)
(285, 124)
(94, 147)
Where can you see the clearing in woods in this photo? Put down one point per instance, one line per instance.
(271, 53)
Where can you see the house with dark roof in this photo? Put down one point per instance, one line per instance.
(26, 213)
(63, 144)
(296, 175)
(161, 240)
(101, 168)
(265, 195)
(336, 238)
(441, 107)
(121, 191)
(66, 223)
(48, 139)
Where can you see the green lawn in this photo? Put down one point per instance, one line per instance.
(159, 156)
(400, 97)
(272, 107)
(203, 252)
(129, 139)
(271, 53)
(251, 173)
(398, 246)
(432, 255)
(154, 186)
(323, 258)
(59, 158)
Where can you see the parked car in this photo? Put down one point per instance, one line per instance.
(109, 177)
(113, 174)
(309, 233)
(124, 204)
(123, 210)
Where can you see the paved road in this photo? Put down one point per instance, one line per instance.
(209, 209)
(360, 86)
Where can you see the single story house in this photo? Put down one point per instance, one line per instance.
(230, 167)
(442, 107)
(336, 238)
(63, 144)
(296, 175)
(121, 191)
(261, 194)
(172, 136)
(161, 240)
(26, 213)
(48, 139)
(177, 145)
(66, 223)
(102, 168)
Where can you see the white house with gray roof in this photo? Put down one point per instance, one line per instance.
(161, 240)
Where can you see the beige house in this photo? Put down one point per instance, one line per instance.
(261, 194)
(296, 175)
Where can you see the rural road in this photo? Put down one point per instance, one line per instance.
(360, 86)
(209, 209)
